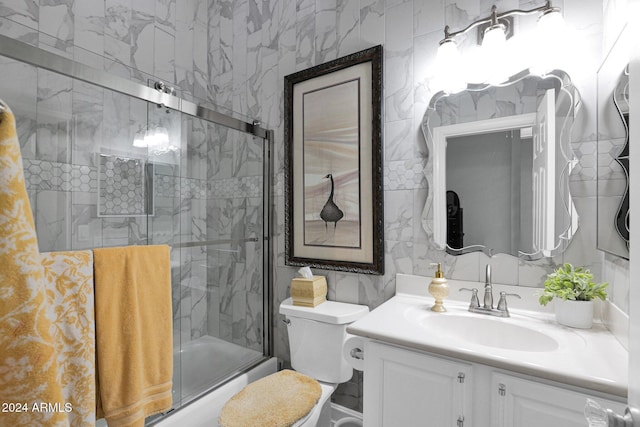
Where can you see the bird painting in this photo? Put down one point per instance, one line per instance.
(330, 211)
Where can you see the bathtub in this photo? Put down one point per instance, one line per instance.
(206, 361)
(200, 364)
(205, 410)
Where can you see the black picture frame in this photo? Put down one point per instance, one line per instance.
(334, 204)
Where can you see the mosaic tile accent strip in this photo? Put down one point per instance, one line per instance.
(122, 188)
(405, 174)
(192, 188)
(185, 188)
(47, 175)
(247, 186)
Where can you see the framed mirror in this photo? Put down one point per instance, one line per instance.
(613, 151)
(499, 160)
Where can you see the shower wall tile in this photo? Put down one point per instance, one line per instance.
(118, 19)
(87, 109)
(53, 220)
(116, 112)
(24, 12)
(165, 14)
(55, 121)
(164, 51)
(200, 70)
(21, 95)
(213, 311)
(239, 317)
(184, 54)
(254, 315)
(142, 36)
(89, 25)
(86, 232)
(18, 31)
(57, 19)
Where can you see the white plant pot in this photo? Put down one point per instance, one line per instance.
(576, 314)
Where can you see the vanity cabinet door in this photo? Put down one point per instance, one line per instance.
(407, 388)
(518, 402)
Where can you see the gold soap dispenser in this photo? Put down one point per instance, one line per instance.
(439, 289)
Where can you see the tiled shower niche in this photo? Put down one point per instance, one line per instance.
(125, 186)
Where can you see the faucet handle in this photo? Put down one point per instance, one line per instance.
(502, 303)
(475, 302)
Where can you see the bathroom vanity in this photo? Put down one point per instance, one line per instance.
(466, 369)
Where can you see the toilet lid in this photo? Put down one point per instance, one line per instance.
(278, 400)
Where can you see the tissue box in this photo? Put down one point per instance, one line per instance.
(309, 292)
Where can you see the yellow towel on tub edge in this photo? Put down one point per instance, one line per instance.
(28, 358)
(134, 338)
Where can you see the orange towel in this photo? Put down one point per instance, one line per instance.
(134, 338)
(28, 357)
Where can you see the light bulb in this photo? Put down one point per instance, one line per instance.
(551, 24)
(552, 42)
(495, 54)
(447, 54)
(448, 76)
(494, 39)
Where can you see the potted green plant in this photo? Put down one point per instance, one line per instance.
(574, 291)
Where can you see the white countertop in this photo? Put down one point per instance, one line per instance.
(588, 358)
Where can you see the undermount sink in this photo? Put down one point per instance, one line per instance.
(489, 332)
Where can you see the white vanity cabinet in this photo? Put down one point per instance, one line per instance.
(519, 402)
(403, 387)
(408, 388)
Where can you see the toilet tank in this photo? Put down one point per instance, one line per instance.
(316, 337)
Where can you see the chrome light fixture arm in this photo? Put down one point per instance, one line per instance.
(494, 19)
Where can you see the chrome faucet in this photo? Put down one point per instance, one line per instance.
(474, 305)
(488, 289)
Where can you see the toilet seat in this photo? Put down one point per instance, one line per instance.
(285, 398)
(311, 419)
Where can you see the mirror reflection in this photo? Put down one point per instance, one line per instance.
(621, 101)
(498, 167)
(613, 160)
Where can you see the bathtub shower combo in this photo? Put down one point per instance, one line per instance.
(109, 161)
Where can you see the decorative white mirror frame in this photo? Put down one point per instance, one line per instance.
(435, 171)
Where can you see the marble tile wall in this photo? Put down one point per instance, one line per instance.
(234, 54)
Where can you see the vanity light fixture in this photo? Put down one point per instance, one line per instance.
(493, 32)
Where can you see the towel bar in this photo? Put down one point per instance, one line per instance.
(212, 242)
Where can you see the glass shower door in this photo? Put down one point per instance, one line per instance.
(221, 271)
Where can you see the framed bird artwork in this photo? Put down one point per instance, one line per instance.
(333, 165)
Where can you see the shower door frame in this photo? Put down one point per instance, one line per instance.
(46, 60)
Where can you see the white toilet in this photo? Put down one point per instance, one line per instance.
(316, 339)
